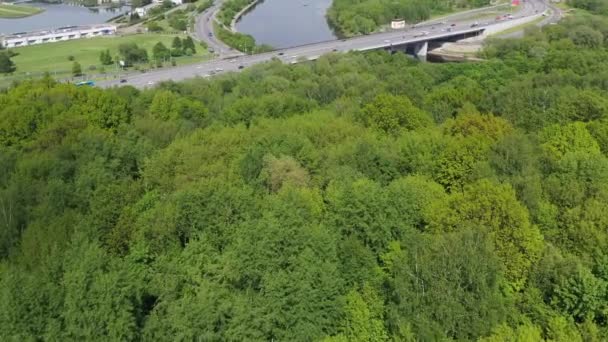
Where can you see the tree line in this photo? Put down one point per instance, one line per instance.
(360, 197)
(362, 17)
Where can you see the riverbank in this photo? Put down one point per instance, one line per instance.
(241, 13)
(283, 24)
(360, 17)
(10, 11)
(59, 15)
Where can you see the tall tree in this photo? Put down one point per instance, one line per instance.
(160, 52)
(105, 58)
(76, 69)
(6, 64)
(188, 45)
(176, 47)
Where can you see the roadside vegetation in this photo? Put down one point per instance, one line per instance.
(239, 41)
(360, 197)
(230, 9)
(351, 17)
(57, 58)
(593, 6)
(9, 11)
(236, 40)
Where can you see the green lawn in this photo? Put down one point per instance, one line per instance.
(15, 11)
(53, 57)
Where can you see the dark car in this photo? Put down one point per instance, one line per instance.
(241, 66)
(123, 81)
(453, 25)
(281, 53)
(210, 34)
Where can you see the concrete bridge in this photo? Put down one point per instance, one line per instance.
(416, 40)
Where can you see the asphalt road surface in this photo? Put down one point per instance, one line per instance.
(420, 33)
(204, 32)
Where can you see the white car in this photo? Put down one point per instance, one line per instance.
(387, 41)
(219, 69)
(151, 83)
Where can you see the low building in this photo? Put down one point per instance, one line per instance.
(143, 11)
(175, 2)
(397, 24)
(58, 35)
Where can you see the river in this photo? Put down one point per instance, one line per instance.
(58, 15)
(287, 23)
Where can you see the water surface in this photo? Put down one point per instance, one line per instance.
(58, 15)
(286, 23)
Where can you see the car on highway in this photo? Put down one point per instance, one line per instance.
(241, 67)
(475, 24)
(387, 41)
(123, 81)
(334, 50)
(219, 69)
(281, 53)
(150, 83)
(425, 33)
(210, 34)
(452, 25)
(85, 83)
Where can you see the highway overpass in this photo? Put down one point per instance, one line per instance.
(414, 39)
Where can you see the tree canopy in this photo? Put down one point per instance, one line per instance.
(359, 197)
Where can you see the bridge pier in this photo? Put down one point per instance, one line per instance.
(421, 50)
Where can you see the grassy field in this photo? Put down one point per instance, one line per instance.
(15, 11)
(53, 57)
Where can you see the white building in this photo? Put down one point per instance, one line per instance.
(143, 11)
(175, 2)
(397, 24)
(58, 35)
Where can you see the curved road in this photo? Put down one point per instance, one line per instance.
(420, 34)
(203, 29)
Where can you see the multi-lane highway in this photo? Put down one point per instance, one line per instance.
(420, 33)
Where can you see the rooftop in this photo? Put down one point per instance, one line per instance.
(65, 29)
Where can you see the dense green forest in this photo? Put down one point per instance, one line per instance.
(594, 6)
(352, 17)
(362, 197)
